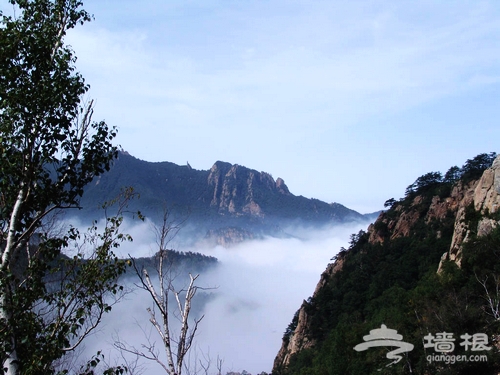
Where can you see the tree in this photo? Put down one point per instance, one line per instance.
(424, 183)
(452, 175)
(49, 150)
(389, 202)
(473, 168)
(175, 346)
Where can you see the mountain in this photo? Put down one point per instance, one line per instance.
(226, 204)
(425, 274)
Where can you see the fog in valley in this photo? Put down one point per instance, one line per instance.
(258, 286)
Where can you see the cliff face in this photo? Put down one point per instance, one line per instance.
(300, 339)
(466, 209)
(235, 189)
(485, 196)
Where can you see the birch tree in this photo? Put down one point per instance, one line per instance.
(50, 148)
(169, 303)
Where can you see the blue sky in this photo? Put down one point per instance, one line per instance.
(347, 101)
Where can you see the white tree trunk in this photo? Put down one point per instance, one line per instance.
(11, 363)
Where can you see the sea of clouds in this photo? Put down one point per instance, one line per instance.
(258, 286)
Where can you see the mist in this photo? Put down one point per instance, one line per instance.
(258, 286)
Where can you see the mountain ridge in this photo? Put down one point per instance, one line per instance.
(227, 203)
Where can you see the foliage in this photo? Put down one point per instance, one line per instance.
(61, 299)
(473, 168)
(49, 150)
(90, 367)
(394, 282)
(452, 175)
(389, 203)
(425, 182)
(433, 183)
(179, 260)
(291, 327)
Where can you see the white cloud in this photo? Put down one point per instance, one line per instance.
(260, 285)
(255, 83)
(380, 63)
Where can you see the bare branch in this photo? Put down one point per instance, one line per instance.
(176, 346)
(492, 297)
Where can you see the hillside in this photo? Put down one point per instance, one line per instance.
(429, 268)
(228, 203)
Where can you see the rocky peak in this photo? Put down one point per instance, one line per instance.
(236, 189)
(281, 186)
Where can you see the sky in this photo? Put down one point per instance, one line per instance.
(347, 101)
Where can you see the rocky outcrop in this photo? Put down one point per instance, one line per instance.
(281, 187)
(299, 339)
(216, 180)
(484, 195)
(228, 236)
(235, 189)
(487, 191)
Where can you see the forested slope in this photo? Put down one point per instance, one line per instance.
(429, 265)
